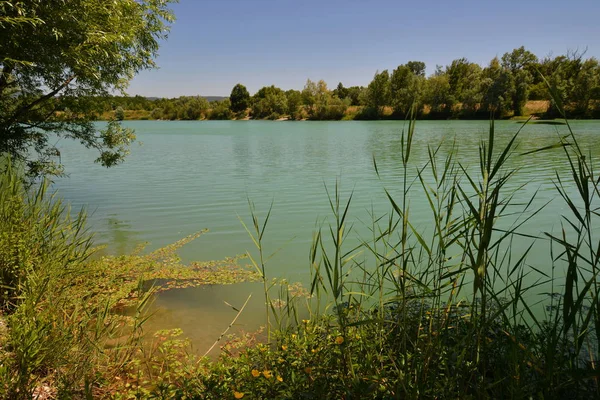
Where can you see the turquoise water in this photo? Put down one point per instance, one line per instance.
(187, 176)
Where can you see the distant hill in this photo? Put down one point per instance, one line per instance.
(208, 98)
(215, 98)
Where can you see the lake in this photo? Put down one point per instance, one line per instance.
(187, 176)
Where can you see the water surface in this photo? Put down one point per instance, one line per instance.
(187, 176)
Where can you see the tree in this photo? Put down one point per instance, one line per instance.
(464, 78)
(586, 87)
(119, 114)
(437, 94)
(340, 91)
(240, 98)
(498, 88)
(518, 62)
(192, 108)
(55, 56)
(417, 67)
(294, 102)
(560, 73)
(324, 104)
(355, 94)
(406, 86)
(378, 92)
(221, 110)
(269, 102)
(315, 95)
(309, 93)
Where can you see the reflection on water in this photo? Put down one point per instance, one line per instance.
(193, 175)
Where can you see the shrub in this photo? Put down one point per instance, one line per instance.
(119, 114)
(221, 111)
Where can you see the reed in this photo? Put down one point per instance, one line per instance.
(447, 311)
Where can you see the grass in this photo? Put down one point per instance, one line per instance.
(63, 330)
(407, 313)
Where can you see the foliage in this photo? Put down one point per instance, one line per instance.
(321, 103)
(465, 84)
(239, 98)
(54, 56)
(356, 94)
(460, 90)
(269, 102)
(340, 91)
(378, 92)
(498, 88)
(119, 114)
(221, 110)
(519, 63)
(437, 95)
(406, 87)
(294, 101)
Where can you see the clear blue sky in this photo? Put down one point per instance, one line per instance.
(215, 44)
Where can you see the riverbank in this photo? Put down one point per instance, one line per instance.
(533, 108)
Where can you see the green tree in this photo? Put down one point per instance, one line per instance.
(294, 102)
(119, 114)
(309, 93)
(465, 84)
(560, 73)
(417, 67)
(437, 95)
(314, 94)
(586, 87)
(269, 102)
(326, 105)
(406, 86)
(192, 108)
(378, 92)
(221, 110)
(340, 91)
(55, 56)
(518, 62)
(240, 98)
(497, 88)
(355, 94)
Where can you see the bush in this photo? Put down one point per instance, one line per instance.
(221, 111)
(119, 114)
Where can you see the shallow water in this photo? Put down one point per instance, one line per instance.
(187, 176)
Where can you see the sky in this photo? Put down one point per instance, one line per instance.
(215, 44)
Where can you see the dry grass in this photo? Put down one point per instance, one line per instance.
(130, 115)
(536, 107)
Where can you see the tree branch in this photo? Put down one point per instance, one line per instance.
(6, 71)
(45, 97)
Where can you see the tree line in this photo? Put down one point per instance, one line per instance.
(462, 89)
